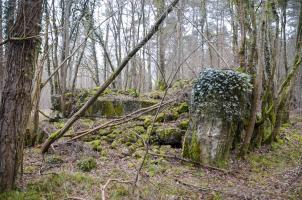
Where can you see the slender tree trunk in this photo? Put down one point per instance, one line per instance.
(179, 49)
(55, 59)
(161, 74)
(256, 81)
(235, 34)
(241, 4)
(65, 53)
(15, 104)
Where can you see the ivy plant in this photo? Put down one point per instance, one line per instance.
(221, 94)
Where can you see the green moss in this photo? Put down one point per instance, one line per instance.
(96, 145)
(112, 136)
(147, 121)
(195, 151)
(54, 135)
(139, 129)
(54, 159)
(160, 117)
(109, 110)
(131, 137)
(191, 148)
(168, 135)
(182, 108)
(115, 144)
(103, 132)
(86, 165)
(171, 115)
(184, 124)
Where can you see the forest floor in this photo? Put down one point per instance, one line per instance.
(268, 173)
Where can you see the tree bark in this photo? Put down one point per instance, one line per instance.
(15, 104)
(1, 49)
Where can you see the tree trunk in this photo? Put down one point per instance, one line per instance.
(15, 104)
(161, 75)
(65, 53)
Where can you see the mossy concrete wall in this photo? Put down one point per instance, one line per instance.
(116, 107)
(105, 106)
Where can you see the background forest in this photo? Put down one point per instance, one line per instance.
(85, 72)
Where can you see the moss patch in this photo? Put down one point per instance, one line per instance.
(86, 165)
(184, 124)
(182, 108)
(96, 145)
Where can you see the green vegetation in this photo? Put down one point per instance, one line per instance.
(54, 159)
(86, 165)
(184, 124)
(52, 187)
(96, 145)
(182, 108)
(284, 152)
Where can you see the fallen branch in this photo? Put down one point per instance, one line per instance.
(189, 161)
(74, 198)
(123, 64)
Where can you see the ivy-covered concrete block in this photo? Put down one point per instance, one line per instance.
(220, 100)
